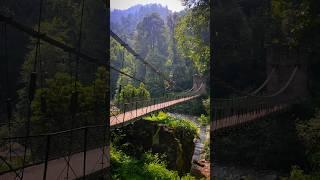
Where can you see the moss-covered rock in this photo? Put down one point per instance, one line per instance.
(164, 136)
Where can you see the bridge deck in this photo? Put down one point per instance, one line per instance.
(57, 168)
(130, 115)
(244, 118)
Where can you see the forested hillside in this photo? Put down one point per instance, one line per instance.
(160, 36)
(177, 45)
(124, 22)
(47, 84)
(55, 68)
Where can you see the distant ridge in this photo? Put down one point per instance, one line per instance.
(124, 22)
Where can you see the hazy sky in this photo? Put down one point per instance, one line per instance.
(174, 5)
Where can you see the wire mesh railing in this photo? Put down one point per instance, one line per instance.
(232, 112)
(56, 146)
(132, 109)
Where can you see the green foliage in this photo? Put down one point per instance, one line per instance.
(310, 134)
(177, 124)
(192, 34)
(193, 107)
(56, 99)
(271, 143)
(150, 166)
(152, 36)
(129, 93)
(61, 22)
(155, 84)
(124, 22)
(206, 105)
(298, 174)
(51, 56)
(207, 150)
(203, 120)
(57, 96)
(124, 61)
(294, 19)
(15, 162)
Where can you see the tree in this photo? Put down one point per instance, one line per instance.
(180, 70)
(54, 114)
(192, 34)
(51, 59)
(150, 39)
(129, 93)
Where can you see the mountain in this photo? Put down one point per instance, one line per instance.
(124, 22)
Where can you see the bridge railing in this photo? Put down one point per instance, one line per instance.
(59, 145)
(134, 105)
(223, 109)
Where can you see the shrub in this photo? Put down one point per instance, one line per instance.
(177, 124)
(203, 120)
(150, 166)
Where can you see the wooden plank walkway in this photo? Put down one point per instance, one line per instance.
(133, 114)
(57, 168)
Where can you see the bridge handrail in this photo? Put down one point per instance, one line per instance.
(124, 107)
(245, 98)
(54, 133)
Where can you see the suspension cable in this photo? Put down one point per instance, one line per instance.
(245, 95)
(7, 84)
(137, 56)
(286, 85)
(32, 88)
(264, 83)
(63, 46)
(75, 94)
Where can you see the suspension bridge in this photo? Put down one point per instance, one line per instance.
(284, 86)
(76, 151)
(79, 151)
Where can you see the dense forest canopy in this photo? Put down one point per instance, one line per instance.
(44, 86)
(178, 49)
(53, 68)
(177, 43)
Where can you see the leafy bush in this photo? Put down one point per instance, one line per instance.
(298, 174)
(207, 150)
(193, 107)
(150, 166)
(177, 124)
(203, 120)
(310, 135)
(129, 93)
(206, 105)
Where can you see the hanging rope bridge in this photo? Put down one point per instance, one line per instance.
(80, 147)
(235, 111)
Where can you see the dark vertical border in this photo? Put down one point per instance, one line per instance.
(212, 59)
(108, 173)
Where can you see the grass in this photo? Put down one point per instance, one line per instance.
(178, 124)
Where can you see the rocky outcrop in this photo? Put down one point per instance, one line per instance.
(201, 168)
(143, 136)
